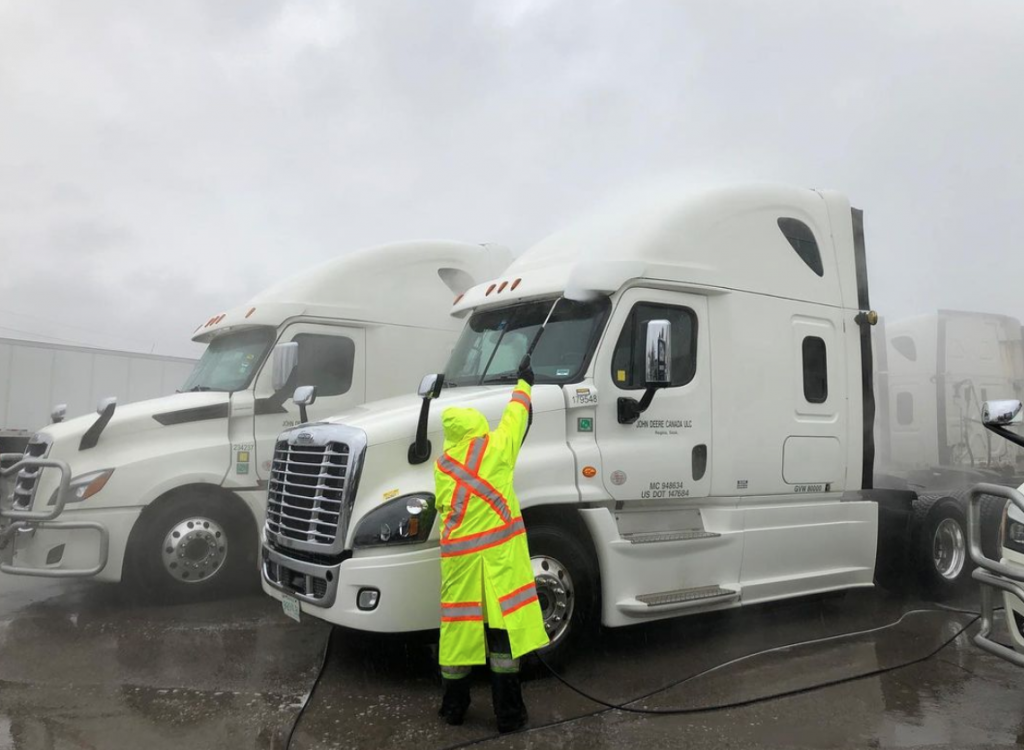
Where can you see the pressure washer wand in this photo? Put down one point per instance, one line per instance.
(536, 338)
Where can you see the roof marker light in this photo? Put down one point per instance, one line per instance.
(514, 285)
(251, 311)
(489, 290)
(459, 298)
(502, 287)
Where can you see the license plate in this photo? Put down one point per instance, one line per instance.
(290, 605)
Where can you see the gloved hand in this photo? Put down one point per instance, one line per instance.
(526, 371)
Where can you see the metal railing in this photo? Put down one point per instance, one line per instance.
(992, 574)
(15, 521)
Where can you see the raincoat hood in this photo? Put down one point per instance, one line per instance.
(461, 423)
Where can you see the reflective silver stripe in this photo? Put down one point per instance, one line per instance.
(503, 663)
(461, 610)
(479, 487)
(458, 508)
(507, 605)
(456, 672)
(487, 539)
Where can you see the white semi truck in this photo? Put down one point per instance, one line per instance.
(35, 376)
(171, 491)
(702, 427)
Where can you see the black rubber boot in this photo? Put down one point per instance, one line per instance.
(455, 702)
(508, 702)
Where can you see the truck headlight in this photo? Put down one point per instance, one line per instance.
(404, 520)
(85, 486)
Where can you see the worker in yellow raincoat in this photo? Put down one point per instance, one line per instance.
(489, 607)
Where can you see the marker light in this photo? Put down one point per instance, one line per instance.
(502, 287)
(251, 311)
(514, 285)
(490, 289)
(589, 472)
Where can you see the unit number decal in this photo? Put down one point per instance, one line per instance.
(671, 488)
(583, 397)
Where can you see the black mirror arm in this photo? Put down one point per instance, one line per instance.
(1002, 432)
(630, 409)
(420, 450)
(302, 413)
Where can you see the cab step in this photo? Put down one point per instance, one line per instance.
(653, 537)
(700, 596)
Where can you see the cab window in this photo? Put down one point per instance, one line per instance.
(326, 362)
(628, 367)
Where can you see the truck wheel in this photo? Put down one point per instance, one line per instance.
(190, 547)
(565, 588)
(945, 561)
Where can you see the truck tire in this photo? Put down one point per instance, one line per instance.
(191, 546)
(566, 589)
(944, 560)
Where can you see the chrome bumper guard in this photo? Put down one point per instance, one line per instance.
(312, 583)
(15, 520)
(992, 574)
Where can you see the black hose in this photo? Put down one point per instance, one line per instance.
(608, 706)
(324, 658)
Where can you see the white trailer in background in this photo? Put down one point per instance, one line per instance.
(940, 368)
(35, 376)
(171, 491)
(932, 374)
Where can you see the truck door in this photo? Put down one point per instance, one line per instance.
(663, 456)
(330, 357)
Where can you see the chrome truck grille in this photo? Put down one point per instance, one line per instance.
(28, 478)
(312, 485)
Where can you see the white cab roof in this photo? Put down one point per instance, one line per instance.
(402, 283)
(726, 238)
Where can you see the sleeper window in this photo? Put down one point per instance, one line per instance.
(801, 238)
(815, 364)
(628, 368)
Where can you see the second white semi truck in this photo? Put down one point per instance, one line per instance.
(171, 491)
(702, 427)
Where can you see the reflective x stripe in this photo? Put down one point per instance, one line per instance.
(461, 498)
(461, 612)
(518, 598)
(476, 542)
(520, 397)
(455, 673)
(478, 485)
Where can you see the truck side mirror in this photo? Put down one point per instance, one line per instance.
(997, 415)
(58, 412)
(286, 359)
(657, 370)
(1002, 413)
(430, 388)
(305, 395)
(658, 353)
(105, 403)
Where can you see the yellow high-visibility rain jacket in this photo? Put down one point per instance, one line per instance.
(486, 574)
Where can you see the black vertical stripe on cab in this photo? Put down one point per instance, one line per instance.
(866, 363)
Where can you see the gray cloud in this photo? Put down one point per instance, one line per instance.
(162, 161)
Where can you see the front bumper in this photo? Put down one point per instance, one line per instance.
(53, 550)
(408, 582)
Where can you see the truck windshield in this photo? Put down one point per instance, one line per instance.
(230, 361)
(494, 341)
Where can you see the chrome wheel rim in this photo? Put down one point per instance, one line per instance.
(555, 594)
(194, 550)
(949, 549)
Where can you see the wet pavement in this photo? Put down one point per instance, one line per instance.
(81, 667)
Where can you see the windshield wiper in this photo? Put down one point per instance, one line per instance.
(511, 377)
(195, 388)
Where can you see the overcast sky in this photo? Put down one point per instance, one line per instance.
(162, 161)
